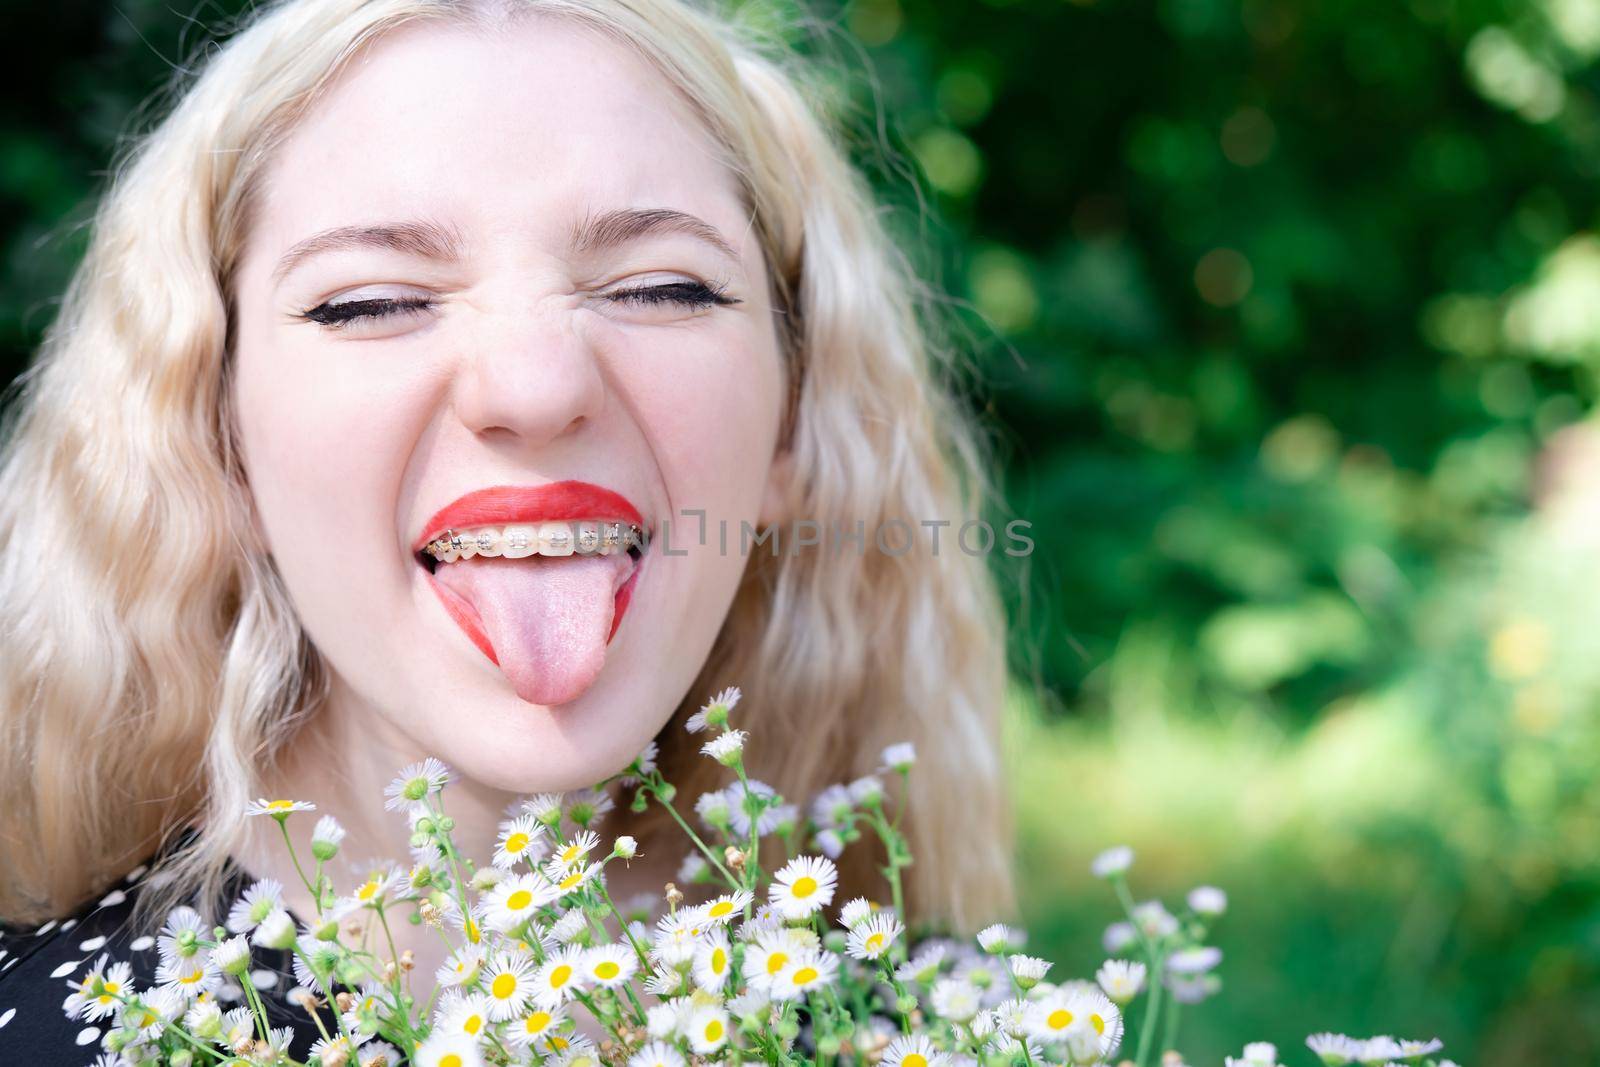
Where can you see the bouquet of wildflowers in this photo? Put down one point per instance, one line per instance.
(545, 968)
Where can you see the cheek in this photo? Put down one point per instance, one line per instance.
(323, 449)
(710, 410)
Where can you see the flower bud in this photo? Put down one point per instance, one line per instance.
(181, 1058)
(328, 931)
(625, 847)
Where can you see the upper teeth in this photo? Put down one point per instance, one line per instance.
(542, 539)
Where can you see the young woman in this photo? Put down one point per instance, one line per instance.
(397, 280)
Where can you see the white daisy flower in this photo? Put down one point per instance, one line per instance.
(922, 968)
(899, 757)
(233, 955)
(666, 1019)
(1382, 1047)
(544, 807)
(411, 787)
(666, 982)
(956, 999)
(379, 1054)
(510, 980)
(1208, 900)
(656, 1054)
(371, 893)
(448, 1050)
(574, 1051)
(516, 899)
(1112, 862)
(707, 1028)
(713, 962)
(1029, 971)
(560, 976)
(1194, 960)
(757, 797)
(1333, 1049)
(872, 938)
(768, 956)
(609, 965)
(803, 886)
(568, 879)
(1052, 1015)
(913, 1050)
(1417, 1049)
(725, 908)
(180, 935)
(677, 937)
(95, 995)
(337, 1049)
(582, 843)
(278, 809)
(326, 837)
(314, 961)
(1256, 1054)
(809, 970)
(998, 939)
(714, 809)
(460, 967)
(751, 1004)
(521, 839)
(715, 712)
(260, 900)
(585, 806)
(536, 1025)
(854, 913)
(1118, 936)
(727, 749)
(204, 1019)
(1154, 919)
(832, 806)
(275, 931)
(572, 926)
(867, 791)
(467, 1015)
(1121, 979)
(694, 868)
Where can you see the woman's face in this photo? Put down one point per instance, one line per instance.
(499, 263)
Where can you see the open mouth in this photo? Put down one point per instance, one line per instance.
(542, 599)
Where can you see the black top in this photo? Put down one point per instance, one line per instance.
(37, 965)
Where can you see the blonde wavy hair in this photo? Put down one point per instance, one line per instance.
(155, 665)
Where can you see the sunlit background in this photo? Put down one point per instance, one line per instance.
(1286, 317)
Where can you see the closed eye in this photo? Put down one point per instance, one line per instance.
(693, 295)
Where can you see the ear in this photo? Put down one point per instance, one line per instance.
(776, 498)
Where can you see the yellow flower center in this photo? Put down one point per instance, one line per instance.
(714, 1030)
(519, 900)
(504, 986)
(1098, 1023)
(516, 842)
(449, 1059)
(719, 960)
(1059, 1019)
(474, 1023)
(571, 852)
(804, 886)
(113, 987)
(805, 975)
(560, 975)
(874, 942)
(606, 969)
(776, 961)
(557, 1042)
(571, 880)
(367, 891)
(281, 805)
(915, 1059)
(720, 908)
(536, 1022)
(473, 933)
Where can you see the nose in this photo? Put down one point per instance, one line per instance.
(533, 377)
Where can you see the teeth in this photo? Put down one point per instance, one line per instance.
(588, 537)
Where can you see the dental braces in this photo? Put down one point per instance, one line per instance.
(590, 539)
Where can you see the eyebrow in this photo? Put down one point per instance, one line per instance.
(627, 224)
(419, 238)
(431, 240)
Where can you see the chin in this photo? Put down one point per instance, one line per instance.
(528, 749)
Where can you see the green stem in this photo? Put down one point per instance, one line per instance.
(316, 895)
(733, 882)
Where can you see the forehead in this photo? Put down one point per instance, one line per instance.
(526, 127)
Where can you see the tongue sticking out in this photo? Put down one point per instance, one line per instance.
(548, 617)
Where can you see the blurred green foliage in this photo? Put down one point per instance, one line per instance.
(1287, 315)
